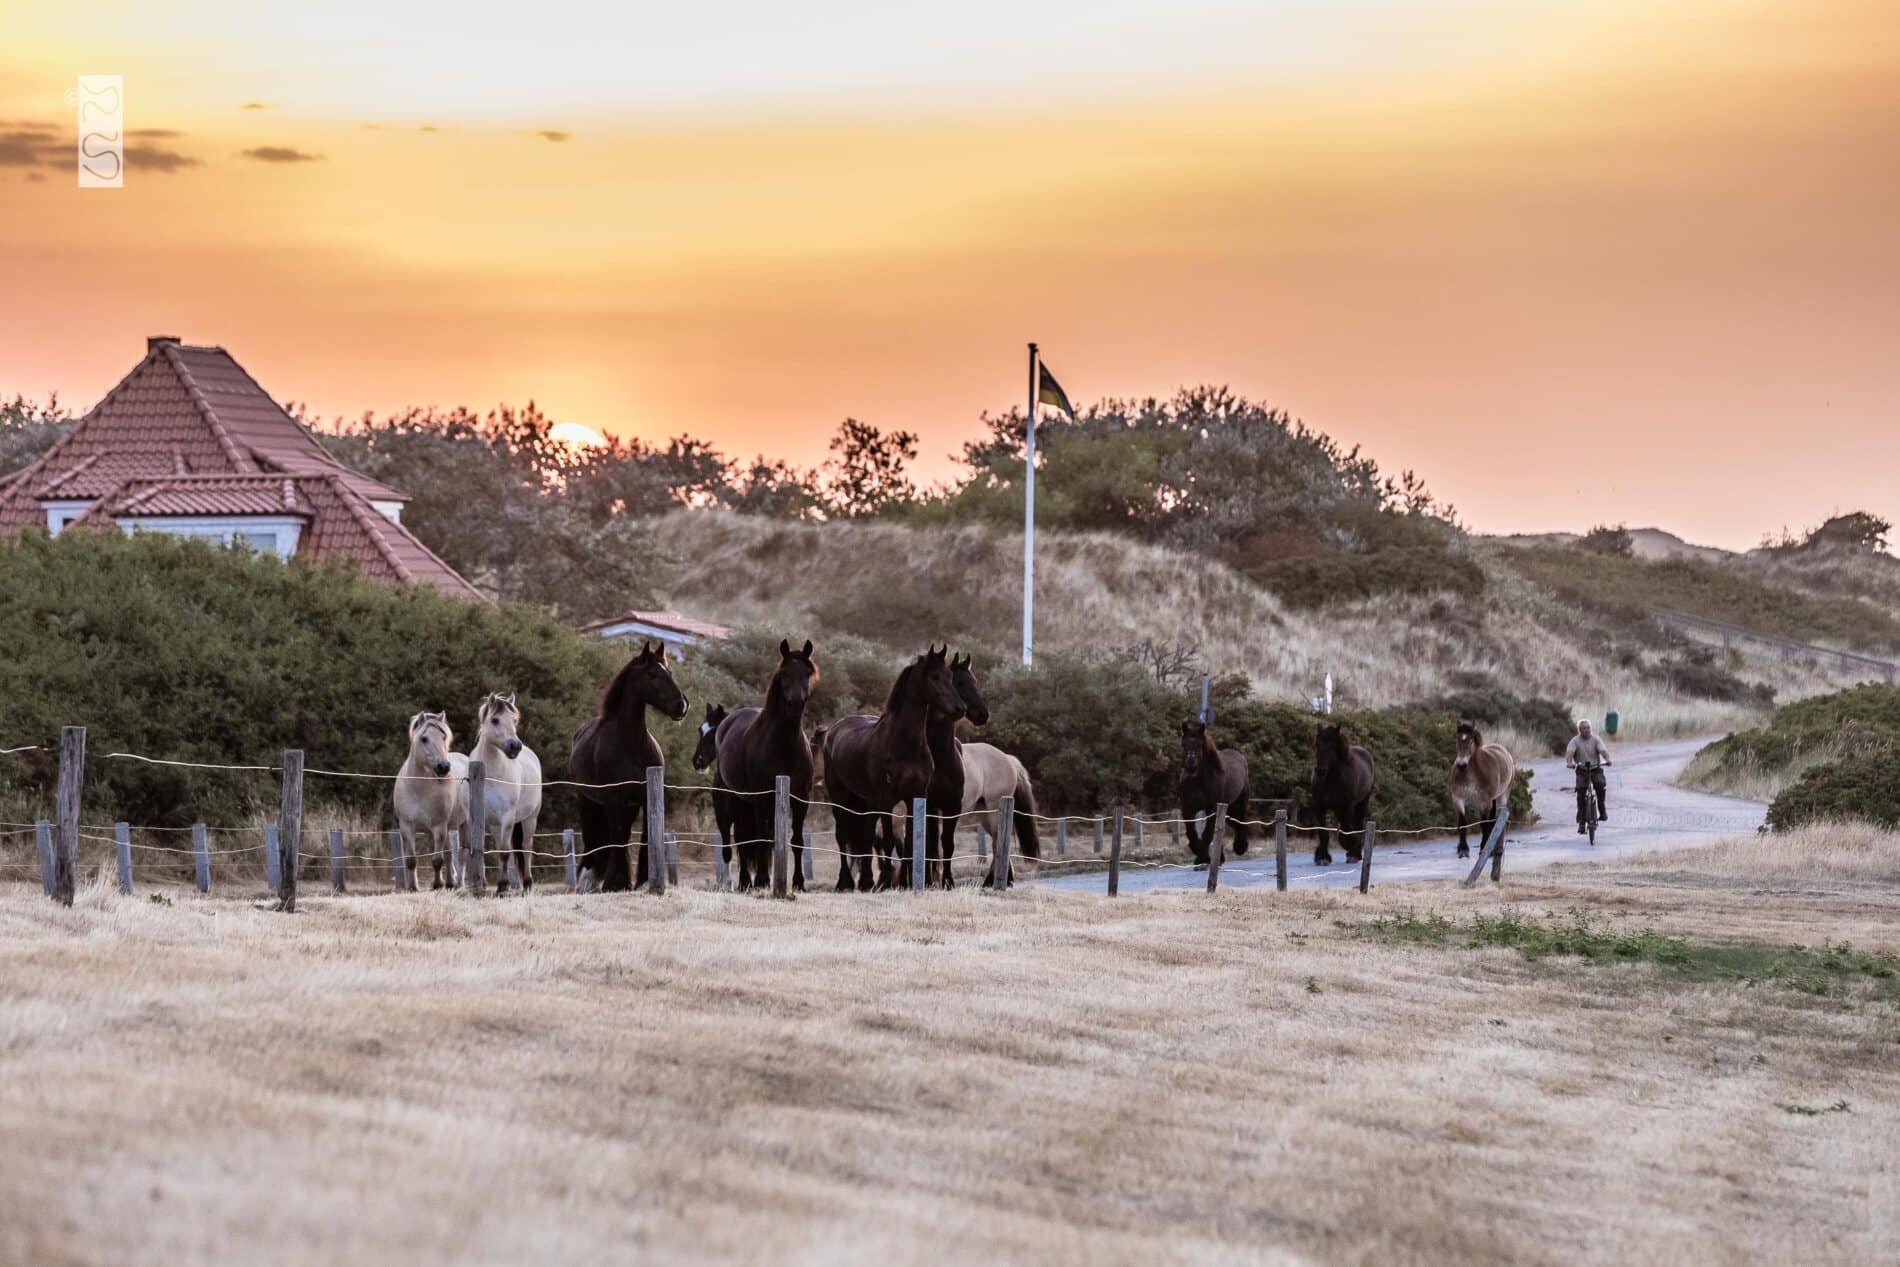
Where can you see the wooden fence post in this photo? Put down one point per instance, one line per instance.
(567, 859)
(1138, 824)
(1115, 856)
(1174, 831)
(999, 860)
(290, 830)
(1502, 810)
(1097, 825)
(918, 828)
(43, 837)
(982, 846)
(1493, 841)
(722, 877)
(201, 857)
(1062, 837)
(673, 858)
(72, 775)
(782, 836)
(656, 830)
(273, 862)
(336, 860)
(122, 838)
(475, 869)
(805, 862)
(1216, 849)
(1365, 855)
(1279, 849)
(396, 868)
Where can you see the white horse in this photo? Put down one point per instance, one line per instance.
(431, 795)
(512, 787)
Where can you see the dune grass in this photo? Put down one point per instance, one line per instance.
(959, 1077)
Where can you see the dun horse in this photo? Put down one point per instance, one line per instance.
(1211, 776)
(611, 753)
(511, 789)
(990, 774)
(431, 795)
(872, 763)
(755, 746)
(1342, 786)
(1481, 778)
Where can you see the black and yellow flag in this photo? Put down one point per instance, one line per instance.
(1049, 392)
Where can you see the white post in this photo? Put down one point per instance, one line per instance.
(1029, 507)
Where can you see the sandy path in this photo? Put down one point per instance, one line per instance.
(1647, 812)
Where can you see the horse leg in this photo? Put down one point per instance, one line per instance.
(1237, 819)
(524, 853)
(1464, 828)
(947, 848)
(845, 824)
(1322, 848)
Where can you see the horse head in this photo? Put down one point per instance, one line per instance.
(429, 740)
(645, 681)
(709, 736)
(797, 674)
(1196, 746)
(1330, 750)
(963, 675)
(938, 685)
(1470, 743)
(497, 720)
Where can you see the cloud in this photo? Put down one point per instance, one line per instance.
(553, 134)
(257, 105)
(39, 145)
(279, 154)
(428, 127)
(153, 134)
(158, 159)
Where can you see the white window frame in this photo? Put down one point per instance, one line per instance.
(225, 529)
(62, 511)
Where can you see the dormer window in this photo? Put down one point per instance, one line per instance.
(61, 513)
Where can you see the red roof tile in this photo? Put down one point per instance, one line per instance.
(188, 432)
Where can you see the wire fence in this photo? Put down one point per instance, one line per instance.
(922, 858)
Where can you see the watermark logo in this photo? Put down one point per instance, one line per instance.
(99, 101)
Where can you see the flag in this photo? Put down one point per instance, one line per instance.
(1049, 392)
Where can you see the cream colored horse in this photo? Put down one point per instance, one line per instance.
(990, 774)
(431, 795)
(512, 787)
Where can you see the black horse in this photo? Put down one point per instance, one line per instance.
(873, 763)
(707, 750)
(1211, 776)
(756, 745)
(944, 801)
(611, 752)
(1342, 786)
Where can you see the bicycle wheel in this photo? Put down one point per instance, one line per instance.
(1591, 820)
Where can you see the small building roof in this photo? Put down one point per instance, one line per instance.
(662, 621)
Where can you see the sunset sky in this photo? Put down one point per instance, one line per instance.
(1574, 261)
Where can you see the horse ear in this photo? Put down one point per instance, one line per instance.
(806, 653)
(784, 648)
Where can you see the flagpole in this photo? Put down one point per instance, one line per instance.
(1029, 509)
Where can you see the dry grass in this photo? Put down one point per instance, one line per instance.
(956, 1077)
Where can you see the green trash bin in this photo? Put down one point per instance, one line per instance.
(1610, 720)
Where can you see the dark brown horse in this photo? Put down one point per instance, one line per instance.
(1481, 777)
(705, 753)
(612, 751)
(1211, 776)
(1342, 786)
(873, 763)
(756, 745)
(944, 801)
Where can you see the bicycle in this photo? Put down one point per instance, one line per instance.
(1587, 790)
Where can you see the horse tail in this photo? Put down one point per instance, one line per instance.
(1026, 812)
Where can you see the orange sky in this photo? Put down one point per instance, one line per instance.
(1573, 262)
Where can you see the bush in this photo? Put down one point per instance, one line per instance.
(1313, 581)
(1866, 787)
(1603, 539)
(1697, 674)
(184, 650)
(1478, 697)
(1844, 724)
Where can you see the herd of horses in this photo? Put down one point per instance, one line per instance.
(872, 766)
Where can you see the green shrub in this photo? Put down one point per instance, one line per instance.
(1477, 697)
(1844, 724)
(1312, 581)
(1697, 674)
(1866, 787)
(183, 650)
(1604, 539)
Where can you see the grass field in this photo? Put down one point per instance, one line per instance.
(1686, 1057)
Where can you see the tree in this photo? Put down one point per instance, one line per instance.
(1856, 530)
(1604, 539)
(28, 429)
(865, 474)
(773, 488)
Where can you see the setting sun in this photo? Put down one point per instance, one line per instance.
(578, 434)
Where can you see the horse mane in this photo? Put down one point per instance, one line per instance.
(1466, 728)
(903, 681)
(610, 695)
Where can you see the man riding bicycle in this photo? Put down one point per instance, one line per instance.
(1587, 755)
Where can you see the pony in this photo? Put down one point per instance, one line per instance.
(511, 788)
(1343, 776)
(756, 745)
(610, 756)
(707, 751)
(431, 795)
(872, 763)
(1481, 777)
(1211, 776)
(943, 801)
(990, 774)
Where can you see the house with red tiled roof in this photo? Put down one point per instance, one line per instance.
(189, 444)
